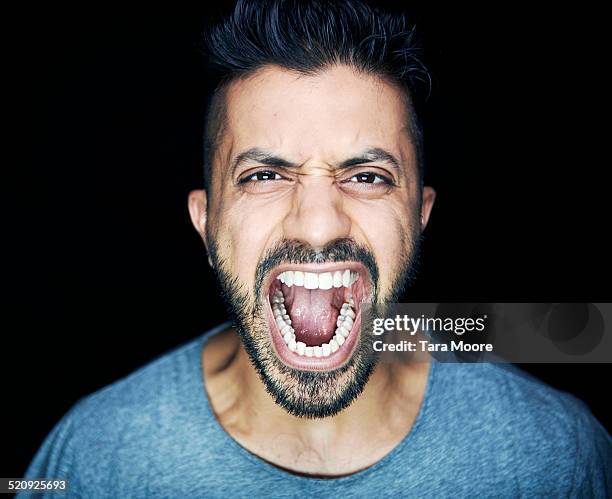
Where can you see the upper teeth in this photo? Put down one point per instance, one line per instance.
(323, 280)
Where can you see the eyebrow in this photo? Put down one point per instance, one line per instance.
(267, 158)
(370, 156)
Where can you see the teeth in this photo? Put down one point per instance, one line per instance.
(301, 347)
(289, 278)
(346, 278)
(337, 279)
(311, 281)
(343, 331)
(344, 326)
(326, 280)
(333, 345)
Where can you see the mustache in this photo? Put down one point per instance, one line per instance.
(297, 252)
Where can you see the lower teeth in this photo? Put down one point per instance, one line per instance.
(344, 327)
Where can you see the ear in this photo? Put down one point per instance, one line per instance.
(197, 203)
(429, 196)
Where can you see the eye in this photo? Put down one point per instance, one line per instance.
(370, 178)
(260, 176)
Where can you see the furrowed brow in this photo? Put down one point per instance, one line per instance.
(370, 156)
(261, 156)
(256, 154)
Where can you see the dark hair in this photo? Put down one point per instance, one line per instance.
(306, 37)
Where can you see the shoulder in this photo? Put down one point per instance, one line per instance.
(144, 393)
(527, 425)
(124, 427)
(506, 385)
(507, 396)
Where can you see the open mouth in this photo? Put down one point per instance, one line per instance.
(314, 313)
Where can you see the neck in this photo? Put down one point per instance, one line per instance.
(383, 413)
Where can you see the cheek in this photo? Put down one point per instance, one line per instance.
(389, 232)
(245, 232)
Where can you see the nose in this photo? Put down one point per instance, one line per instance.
(317, 217)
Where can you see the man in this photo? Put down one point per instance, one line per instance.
(314, 204)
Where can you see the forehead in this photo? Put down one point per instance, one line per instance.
(324, 117)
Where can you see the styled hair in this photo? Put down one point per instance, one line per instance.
(308, 37)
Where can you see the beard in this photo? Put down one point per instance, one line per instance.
(307, 393)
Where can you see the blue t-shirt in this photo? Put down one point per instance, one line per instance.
(483, 430)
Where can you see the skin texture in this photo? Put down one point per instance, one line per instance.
(314, 122)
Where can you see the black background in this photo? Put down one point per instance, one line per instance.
(105, 272)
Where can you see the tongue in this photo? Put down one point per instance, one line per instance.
(313, 316)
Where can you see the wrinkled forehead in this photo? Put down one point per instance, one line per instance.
(322, 119)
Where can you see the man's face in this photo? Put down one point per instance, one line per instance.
(314, 207)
